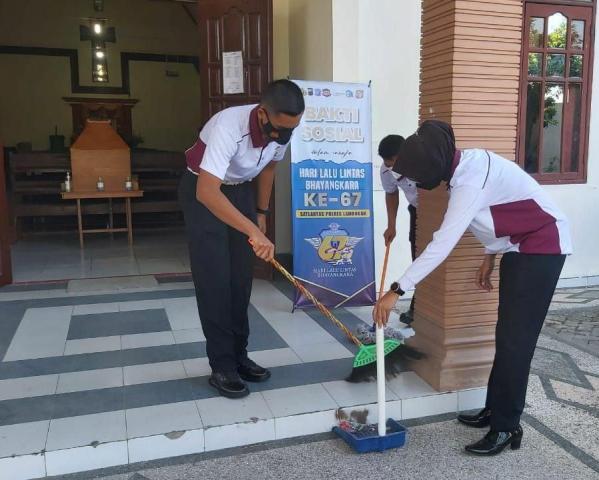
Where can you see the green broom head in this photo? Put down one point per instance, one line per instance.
(367, 353)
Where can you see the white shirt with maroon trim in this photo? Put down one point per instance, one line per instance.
(232, 148)
(392, 185)
(503, 206)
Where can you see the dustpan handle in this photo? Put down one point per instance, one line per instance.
(380, 380)
(380, 359)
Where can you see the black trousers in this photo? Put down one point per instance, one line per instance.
(526, 286)
(412, 237)
(222, 263)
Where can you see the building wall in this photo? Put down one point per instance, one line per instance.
(303, 49)
(280, 14)
(32, 87)
(353, 41)
(283, 174)
(31, 103)
(379, 41)
(470, 78)
(310, 39)
(580, 202)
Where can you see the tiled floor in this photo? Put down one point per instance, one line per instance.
(58, 256)
(97, 378)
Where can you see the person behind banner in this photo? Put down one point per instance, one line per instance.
(511, 214)
(226, 220)
(389, 151)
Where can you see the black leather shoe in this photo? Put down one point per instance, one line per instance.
(478, 420)
(407, 317)
(229, 384)
(252, 372)
(494, 442)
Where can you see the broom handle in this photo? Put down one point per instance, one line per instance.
(324, 310)
(380, 358)
(384, 274)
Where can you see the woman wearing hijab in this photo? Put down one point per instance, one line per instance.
(510, 214)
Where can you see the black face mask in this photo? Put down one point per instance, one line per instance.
(284, 133)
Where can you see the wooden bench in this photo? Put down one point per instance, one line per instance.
(34, 180)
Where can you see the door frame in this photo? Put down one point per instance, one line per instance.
(5, 230)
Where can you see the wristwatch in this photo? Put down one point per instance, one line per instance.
(261, 211)
(395, 288)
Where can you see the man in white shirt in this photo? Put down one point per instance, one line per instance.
(389, 151)
(225, 195)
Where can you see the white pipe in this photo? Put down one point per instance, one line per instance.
(380, 380)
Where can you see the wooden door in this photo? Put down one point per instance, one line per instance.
(236, 26)
(5, 264)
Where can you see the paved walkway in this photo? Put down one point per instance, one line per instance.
(569, 298)
(100, 372)
(560, 424)
(574, 318)
(104, 372)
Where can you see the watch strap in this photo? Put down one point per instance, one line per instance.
(397, 289)
(263, 212)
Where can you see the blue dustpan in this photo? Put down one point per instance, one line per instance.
(395, 438)
(389, 435)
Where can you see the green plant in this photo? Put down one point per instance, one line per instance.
(552, 165)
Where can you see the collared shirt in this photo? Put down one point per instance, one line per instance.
(232, 148)
(391, 185)
(502, 205)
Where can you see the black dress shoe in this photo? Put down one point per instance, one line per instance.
(407, 317)
(478, 420)
(494, 442)
(229, 384)
(252, 372)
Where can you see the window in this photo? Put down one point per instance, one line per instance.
(555, 91)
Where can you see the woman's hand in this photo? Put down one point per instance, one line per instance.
(383, 308)
(483, 276)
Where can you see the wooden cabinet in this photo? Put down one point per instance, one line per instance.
(99, 153)
(117, 110)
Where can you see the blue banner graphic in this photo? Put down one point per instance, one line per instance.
(331, 176)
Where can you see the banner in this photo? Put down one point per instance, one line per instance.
(331, 184)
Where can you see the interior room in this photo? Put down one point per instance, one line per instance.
(131, 64)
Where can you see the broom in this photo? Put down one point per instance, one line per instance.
(364, 366)
(393, 355)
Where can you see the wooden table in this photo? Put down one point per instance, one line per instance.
(126, 195)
